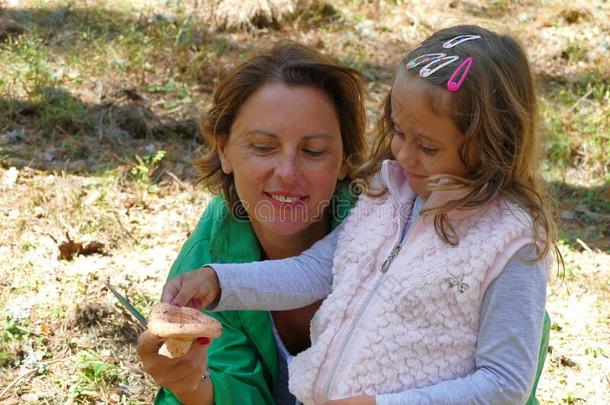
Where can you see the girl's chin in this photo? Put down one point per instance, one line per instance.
(419, 187)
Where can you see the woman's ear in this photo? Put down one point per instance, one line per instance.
(342, 171)
(225, 163)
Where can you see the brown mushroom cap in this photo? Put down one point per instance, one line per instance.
(169, 321)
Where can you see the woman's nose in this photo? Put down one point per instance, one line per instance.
(288, 170)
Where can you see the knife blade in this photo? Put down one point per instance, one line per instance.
(128, 305)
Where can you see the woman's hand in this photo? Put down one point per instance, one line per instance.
(361, 400)
(196, 289)
(182, 375)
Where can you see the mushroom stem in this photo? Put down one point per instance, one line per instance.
(174, 348)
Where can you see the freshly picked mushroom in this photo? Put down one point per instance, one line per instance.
(180, 326)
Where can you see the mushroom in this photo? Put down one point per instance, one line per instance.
(180, 326)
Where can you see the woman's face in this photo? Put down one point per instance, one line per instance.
(286, 155)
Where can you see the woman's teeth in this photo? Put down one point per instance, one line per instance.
(283, 198)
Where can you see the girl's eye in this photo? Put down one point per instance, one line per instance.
(396, 132)
(313, 153)
(428, 151)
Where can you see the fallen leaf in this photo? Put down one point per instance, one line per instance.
(70, 248)
(92, 248)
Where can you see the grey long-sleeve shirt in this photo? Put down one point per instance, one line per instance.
(510, 331)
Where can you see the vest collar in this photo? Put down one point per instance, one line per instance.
(394, 180)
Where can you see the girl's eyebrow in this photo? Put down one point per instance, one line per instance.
(427, 137)
(416, 132)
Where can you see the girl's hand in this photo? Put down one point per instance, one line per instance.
(361, 400)
(196, 289)
(181, 375)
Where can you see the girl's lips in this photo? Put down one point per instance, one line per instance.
(413, 176)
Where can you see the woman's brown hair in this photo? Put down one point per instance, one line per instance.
(496, 110)
(293, 65)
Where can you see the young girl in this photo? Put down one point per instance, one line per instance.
(436, 281)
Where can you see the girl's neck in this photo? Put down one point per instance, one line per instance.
(277, 246)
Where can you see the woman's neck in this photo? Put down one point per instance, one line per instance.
(282, 246)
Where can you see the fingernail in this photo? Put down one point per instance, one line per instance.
(175, 303)
(203, 341)
(194, 303)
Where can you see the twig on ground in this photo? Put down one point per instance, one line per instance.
(15, 381)
(177, 180)
(584, 245)
(580, 100)
(118, 219)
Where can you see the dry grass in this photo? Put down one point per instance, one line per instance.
(98, 102)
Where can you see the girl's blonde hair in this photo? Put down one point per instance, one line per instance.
(496, 110)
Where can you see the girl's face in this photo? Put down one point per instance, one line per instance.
(424, 142)
(286, 155)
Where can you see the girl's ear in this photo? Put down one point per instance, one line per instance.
(225, 163)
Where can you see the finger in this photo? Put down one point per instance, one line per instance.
(171, 289)
(184, 295)
(148, 343)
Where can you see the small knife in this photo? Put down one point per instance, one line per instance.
(128, 305)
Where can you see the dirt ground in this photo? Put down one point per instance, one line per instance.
(99, 105)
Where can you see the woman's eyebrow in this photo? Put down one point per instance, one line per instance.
(260, 132)
(272, 135)
(317, 136)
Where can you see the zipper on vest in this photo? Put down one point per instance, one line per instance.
(385, 266)
(388, 261)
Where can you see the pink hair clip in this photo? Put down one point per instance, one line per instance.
(459, 39)
(440, 63)
(424, 59)
(454, 86)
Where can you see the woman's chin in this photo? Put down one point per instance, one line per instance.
(284, 228)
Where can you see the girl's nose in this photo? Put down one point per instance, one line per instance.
(406, 156)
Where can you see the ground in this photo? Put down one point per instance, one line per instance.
(99, 108)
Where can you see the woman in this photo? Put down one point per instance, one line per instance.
(285, 136)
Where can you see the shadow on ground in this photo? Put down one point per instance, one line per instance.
(60, 132)
(584, 216)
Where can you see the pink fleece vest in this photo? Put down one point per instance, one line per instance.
(416, 324)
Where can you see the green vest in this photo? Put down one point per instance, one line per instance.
(243, 360)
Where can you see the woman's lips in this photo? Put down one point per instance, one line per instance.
(285, 199)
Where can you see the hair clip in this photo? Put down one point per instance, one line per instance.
(428, 69)
(424, 59)
(459, 39)
(454, 86)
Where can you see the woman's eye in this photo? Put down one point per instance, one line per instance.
(313, 152)
(260, 148)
